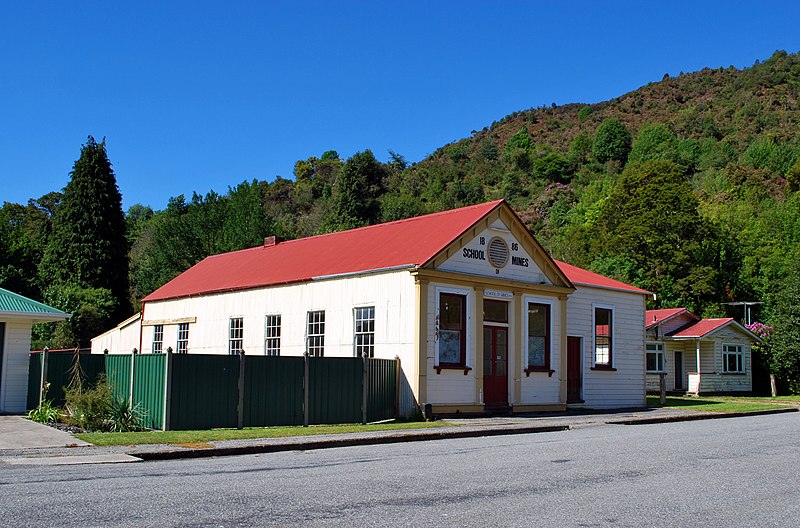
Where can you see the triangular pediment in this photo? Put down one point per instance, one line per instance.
(500, 246)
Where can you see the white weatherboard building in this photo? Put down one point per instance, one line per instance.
(17, 315)
(479, 314)
(678, 341)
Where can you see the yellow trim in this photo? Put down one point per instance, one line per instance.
(519, 346)
(562, 361)
(478, 367)
(179, 320)
(539, 407)
(421, 340)
(456, 408)
(466, 279)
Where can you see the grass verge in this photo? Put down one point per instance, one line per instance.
(720, 404)
(201, 438)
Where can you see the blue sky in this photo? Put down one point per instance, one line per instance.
(194, 96)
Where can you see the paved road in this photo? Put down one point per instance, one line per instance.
(735, 472)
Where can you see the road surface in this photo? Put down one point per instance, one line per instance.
(734, 472)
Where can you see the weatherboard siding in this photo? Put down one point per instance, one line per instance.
(391, 293)
(14, 384)
(625, 386)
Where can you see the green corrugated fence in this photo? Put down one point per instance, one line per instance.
(59, 373)
(198, 391)
(204, 391)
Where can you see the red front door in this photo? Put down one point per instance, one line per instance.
(495, 366)
(574, 380)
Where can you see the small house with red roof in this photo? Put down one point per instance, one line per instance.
(17, 316)
(481, 317)
(678, 341)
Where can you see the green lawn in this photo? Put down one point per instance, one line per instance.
(201, 438)
(723, 404)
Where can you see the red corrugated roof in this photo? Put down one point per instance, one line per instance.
(702, 328)
(584, 277)
(411, 242)
(654, 317)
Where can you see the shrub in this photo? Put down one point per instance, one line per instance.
(45, 413)
(89, 408)
(122, 417)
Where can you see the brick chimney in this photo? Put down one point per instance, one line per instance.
(272, 241)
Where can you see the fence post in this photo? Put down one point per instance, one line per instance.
(397, 372)
(133, 362)
(662, 387)
(43, 375)
(305, 389)
(364, 387)
(240, 405)
(165, 425)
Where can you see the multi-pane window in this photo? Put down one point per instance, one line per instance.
(733, 358)
(452, 329)
(603, 338)
(272, 336)
(315, 340)
(364, 335)
(158, 339)
(236, 335)
(183, 338)
(655, 357)
(538, 336)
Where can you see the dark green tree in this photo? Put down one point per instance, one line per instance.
(652, 218)
(612, 142)
(88, 248)
(784, 355)
(356, 193)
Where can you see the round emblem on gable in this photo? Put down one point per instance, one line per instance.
(498, 252)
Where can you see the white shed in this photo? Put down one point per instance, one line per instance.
(17, 315)
(481, 317)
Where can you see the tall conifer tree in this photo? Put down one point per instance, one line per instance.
(88, 248)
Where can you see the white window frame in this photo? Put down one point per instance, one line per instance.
(612, 344)
(368, 335)
(740, 357)
(235, 337)
(318, 348)
(550, 331)
(272, 334)
(183, 339)
(469, 301)
(158, 339)
(658, 352)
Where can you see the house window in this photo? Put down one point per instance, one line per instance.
(158, 339)
(272, 336)
(733, 358)
(655, 357)
(538, 336)
(603, 337)
(364, 338)
(452, 330)
(183, 338)
(236, 335)
(315, 342)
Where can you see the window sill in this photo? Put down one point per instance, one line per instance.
(539, 369)
(604, 367)
(733, 373)
(439, 368)
(656, 372)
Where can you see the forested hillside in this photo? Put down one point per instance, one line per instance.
(685, 187)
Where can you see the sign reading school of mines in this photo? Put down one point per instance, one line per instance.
(479, 314)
